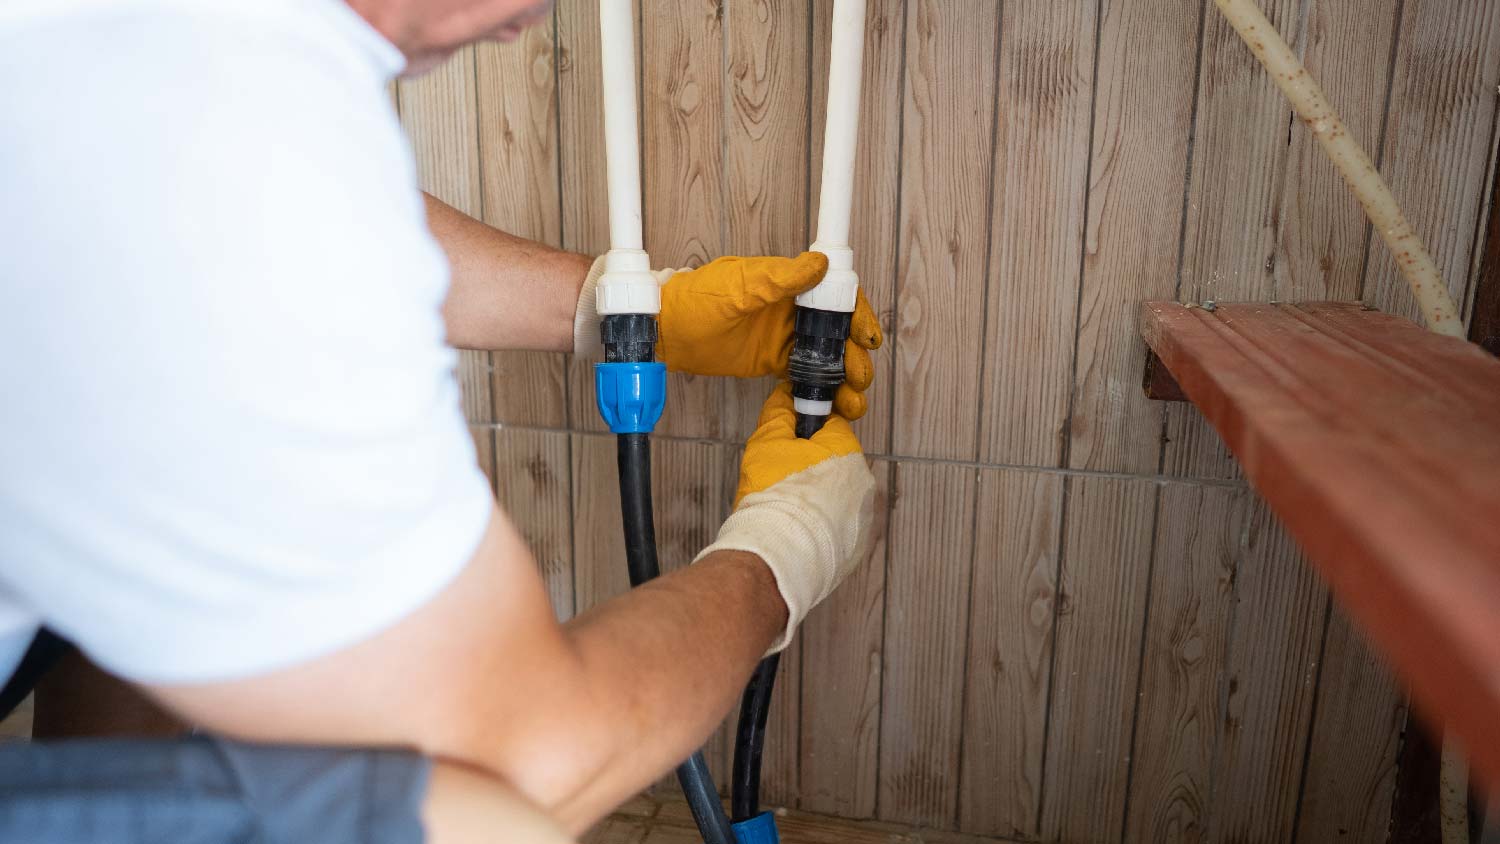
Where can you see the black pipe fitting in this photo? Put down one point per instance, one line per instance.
(816, 365)
(628, 338)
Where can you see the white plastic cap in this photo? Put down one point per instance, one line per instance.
(627, 285)
(840, 287)
(812, 407)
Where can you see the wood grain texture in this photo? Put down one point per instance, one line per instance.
(1011, 608)
(927, 586)
(580, 147)
(598, 541)
(1322, 235)
(1101, 610)
(945, 176)
(1271, 674)
(1047, 53)
(518, 156)
(873, 224)
(1183, 662)
(841, 672)
(1438, 140)
(1233, 203)
(533, 470)
(682, 174)
(1137, 168)
(440, 114)
(1356, 737)
(765, 154)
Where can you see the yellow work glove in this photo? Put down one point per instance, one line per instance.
(805, 507)
(733, 316)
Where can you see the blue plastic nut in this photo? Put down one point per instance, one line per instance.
(760, 829)
(631, 395)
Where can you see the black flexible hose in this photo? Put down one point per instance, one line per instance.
(816, 368)
(750, 741)
(634, 457)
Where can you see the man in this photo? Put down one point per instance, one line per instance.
(235, 469)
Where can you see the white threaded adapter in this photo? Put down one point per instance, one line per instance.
(627, 285)
(839, 289)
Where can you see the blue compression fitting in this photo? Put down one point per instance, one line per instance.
(760, 829)
(631, 395)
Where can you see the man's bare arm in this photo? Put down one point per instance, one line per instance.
(576, 717)
(507, 292)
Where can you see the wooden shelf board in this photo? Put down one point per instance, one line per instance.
(1378, 444)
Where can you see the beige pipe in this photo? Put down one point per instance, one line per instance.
(1312, 106)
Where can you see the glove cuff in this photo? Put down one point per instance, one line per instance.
(811, 529)
(587, 343)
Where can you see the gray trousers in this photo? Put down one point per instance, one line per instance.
(205, 790)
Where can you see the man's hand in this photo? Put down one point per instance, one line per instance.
(805, 507)
(734, 316)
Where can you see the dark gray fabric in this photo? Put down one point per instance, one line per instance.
(205, 790)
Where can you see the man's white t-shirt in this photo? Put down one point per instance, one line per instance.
(230, 436)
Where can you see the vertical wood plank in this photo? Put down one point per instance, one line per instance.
(1010, 650)
(765, 154)
(1182, 666)
(518, 154)
(1233, 203)
(682, 173)
(1272, 672)
(585, 212)
(945, 181)
(874, 223)
(1438, 140)
(599, 571)
(1320, 250)
(1047, 53)
(1103, 594)
(1139, 158)
(841, 656)
(926, 622)
(1356, 737)
(440, 115)
(765, 211)
(534, 485)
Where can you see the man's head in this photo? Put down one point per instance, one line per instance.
(428, 31)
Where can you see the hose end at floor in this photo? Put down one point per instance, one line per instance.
(760, 829)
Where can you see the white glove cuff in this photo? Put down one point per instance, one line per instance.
(587, 343)
(811, 529)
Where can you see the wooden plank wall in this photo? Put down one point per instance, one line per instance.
(1077, 623)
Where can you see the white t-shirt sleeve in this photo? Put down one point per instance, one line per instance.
(235, 441)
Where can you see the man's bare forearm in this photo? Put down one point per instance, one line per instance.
(506, 292)
(575, 717)
(673, 656)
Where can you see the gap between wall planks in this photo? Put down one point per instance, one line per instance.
(1079, 154)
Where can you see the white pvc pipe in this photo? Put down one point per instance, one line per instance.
(839, 287)
(627, 286)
